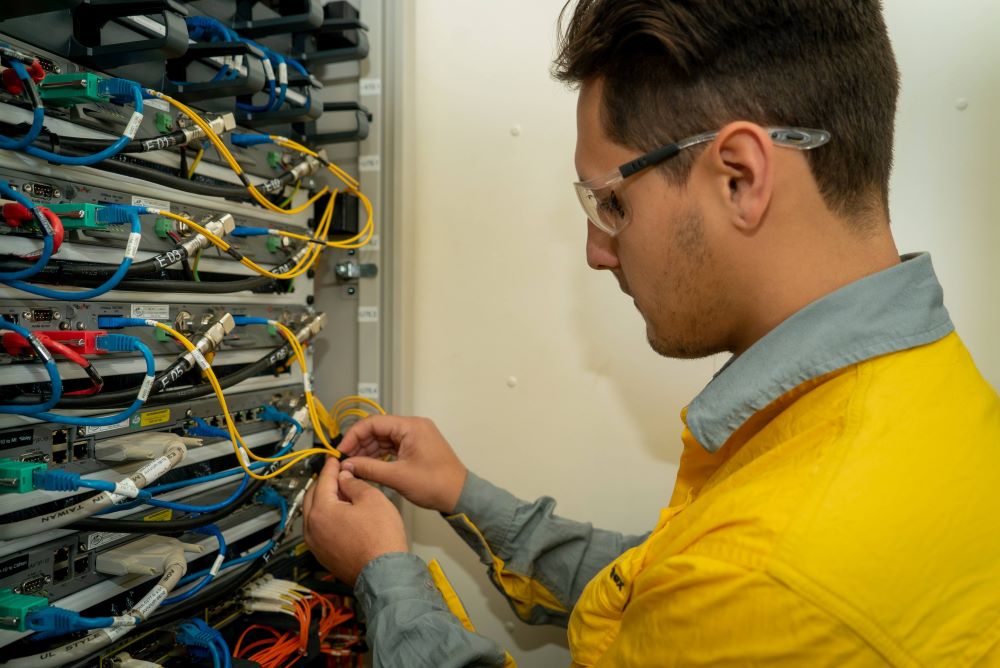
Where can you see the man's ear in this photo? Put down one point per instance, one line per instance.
(740, 164)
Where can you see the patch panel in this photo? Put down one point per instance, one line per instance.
(60, 464)
(68, 194)
(42, 316)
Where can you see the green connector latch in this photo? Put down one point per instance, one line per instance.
(274, 159)
(161, 336)
(163, 227)
(71, 88)
(16, 477)
(164, 123)
(14, 609)
(273, 244)
(78, 216)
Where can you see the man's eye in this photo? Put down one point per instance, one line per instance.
(611, 205)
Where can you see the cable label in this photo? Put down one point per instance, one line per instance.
(150, 602)
(133, 244)
(126, 488)
(157, 144)
(268, 70)
(147, 385)
(307, 385)
(282, 73)
(272, 186)
(154, 469)
(217, 566)
(133, 125)
(200, 359)
(119, 622)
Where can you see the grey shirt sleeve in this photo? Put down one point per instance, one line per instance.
(540, 562)
(408, 622)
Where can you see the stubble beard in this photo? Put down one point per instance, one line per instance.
(688, 333)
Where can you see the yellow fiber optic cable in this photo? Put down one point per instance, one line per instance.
(239, 446)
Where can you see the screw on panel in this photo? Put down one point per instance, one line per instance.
(56, 193)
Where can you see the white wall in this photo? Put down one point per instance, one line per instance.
(535, 367)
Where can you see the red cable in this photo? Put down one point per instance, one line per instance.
(97, 383)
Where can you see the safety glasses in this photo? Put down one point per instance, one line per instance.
(602, 205)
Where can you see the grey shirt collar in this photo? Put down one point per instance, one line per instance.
(899, 308)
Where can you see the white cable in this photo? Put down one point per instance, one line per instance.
(60, 518)
(175, 566)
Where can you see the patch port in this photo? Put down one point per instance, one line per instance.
(59, 456)
(81, 450)
(60, 437)
(81, 565)
(214, 421)
(60, 564)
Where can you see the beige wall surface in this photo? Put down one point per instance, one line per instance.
(536, 367)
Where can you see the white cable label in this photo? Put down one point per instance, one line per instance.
(282, 73)
(268, 70)
(200, 359)
(123, 621)
(115, 632)
(126, 488)
(243, 456)
(154, 469)
(147, 385)
(307, 385)
(150, 602)
(150, 323)
(133, 125)
(133, 244)
(217, 566)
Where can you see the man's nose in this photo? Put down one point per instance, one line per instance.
(601, 249)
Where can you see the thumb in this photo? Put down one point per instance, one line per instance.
(376, 470)
(353, 489)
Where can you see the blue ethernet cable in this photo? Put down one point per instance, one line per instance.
(289, 440)
(118, 89)
(196, 633)
(51, 622)
(67, 481)
(114, 214)
(112, 343)
(271, 498)
(214, 531)
(37, 114)
(50, 366)
(48, 241)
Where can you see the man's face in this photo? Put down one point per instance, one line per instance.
(663, 259)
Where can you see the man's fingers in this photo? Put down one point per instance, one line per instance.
(353, 489)
(376, 470)
(327, 485)
(374, 428)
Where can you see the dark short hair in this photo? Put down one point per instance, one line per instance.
(674, 68)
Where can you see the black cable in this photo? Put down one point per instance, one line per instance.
(168, 526)
(125, 397)
(135, 146)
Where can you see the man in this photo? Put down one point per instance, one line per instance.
(837, 500)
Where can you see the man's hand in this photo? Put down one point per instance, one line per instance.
(426, 471)
(348, 523)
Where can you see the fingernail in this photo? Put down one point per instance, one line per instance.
(347, 466)
(345, 474)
